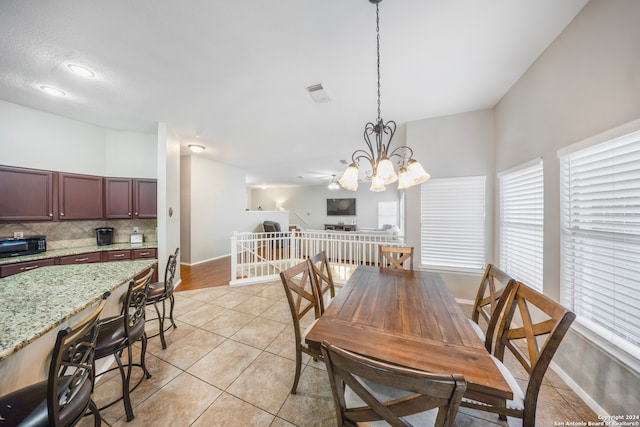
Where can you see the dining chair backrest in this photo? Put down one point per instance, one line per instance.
(542, 323)
(389, 392)
(71, 372)
(492, 287)
(170, 270)
(323, 277)
(302, 296)
(395, 256)
(135, 302)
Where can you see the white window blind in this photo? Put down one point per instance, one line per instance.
(522, 223)
(600, 206)
(453, 224)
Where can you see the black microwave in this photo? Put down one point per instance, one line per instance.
(26, 246)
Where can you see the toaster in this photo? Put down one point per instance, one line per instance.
(136, 238)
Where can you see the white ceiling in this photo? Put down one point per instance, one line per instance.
(236, 71)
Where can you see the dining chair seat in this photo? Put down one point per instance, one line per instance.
(518, 395)
(157, 291)
(478, 330)
(113, 335)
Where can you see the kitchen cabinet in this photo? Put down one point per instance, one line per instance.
(130, 198)
(19, 267)
(145, 198)
(122, 255)
(118, 198)
(26, 194)
(80, 259)
(80, 196)
(144, 253)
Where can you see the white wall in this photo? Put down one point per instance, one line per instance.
(307, 205)
(35, 139)
(586, 82)
(217, 203)
(39, 140)
(126, 152)
(453, 146)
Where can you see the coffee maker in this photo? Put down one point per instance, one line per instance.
(104, 236)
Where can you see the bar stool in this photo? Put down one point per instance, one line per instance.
(65, 396)
(120, 332)
(160, 292)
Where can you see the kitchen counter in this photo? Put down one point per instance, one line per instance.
(36, 302)
(76, 251)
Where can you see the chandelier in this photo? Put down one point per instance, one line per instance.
(382, 172)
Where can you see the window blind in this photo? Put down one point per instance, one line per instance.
(453, 223)
(521, 225)
(600, 267)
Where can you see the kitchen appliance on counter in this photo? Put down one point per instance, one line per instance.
(136, 238)
(104, 236)
(29, 245)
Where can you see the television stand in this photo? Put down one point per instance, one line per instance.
(340, 227)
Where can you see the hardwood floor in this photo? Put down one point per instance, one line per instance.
(205, 275)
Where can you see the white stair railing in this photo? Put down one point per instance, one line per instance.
(259, 257)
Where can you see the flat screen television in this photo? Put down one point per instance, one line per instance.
(341, 207)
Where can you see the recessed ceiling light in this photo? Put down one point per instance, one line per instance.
(81, 71)
(52, 91)
(196, 148)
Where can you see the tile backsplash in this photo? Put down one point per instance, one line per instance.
(76, 234)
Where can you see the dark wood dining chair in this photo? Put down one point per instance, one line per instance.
(492, 287)
(64, 398)
(394, 257)
(160, 293)
(366, 390)
(323, 278)
(541, 335)
(119, 333)
(302, 296)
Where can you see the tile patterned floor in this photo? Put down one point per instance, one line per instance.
(231, 362)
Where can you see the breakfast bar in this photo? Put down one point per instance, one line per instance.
(34, 305)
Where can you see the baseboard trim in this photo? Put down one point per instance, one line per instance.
(206, 260)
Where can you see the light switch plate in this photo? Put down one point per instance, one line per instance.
(18, 235)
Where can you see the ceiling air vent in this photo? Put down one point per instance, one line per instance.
(318, 93)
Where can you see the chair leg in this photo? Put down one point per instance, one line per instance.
(161, 324)
(173, 301)
(97, 419)
(142, 356)
(126, 398)
(294, 389)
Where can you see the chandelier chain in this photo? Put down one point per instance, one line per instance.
(378, 53)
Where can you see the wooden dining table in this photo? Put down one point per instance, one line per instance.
(408, 318)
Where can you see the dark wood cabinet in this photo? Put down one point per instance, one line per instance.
(20, 267)
(26, 194)
(144, 253)
(80, 196)
(118, 198)
(122, 255)
(80, 259)
(145, 198)
(131, 198)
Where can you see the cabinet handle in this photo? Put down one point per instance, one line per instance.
(61, 213)
(81, 259)
(144, 253)
(129, 214)
(50, 214)
(118, 255)
(29, 268)
(136, 213)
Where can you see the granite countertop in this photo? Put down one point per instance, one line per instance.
(76, 251)
(34, 302)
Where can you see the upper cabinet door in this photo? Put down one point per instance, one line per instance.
(26, 194)
(118, 198)
(80, 196)
(145, 198)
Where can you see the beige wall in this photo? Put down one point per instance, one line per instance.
(586, 82)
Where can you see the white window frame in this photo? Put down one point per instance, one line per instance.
(453, 224)
(521, 222)
(600, 238)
